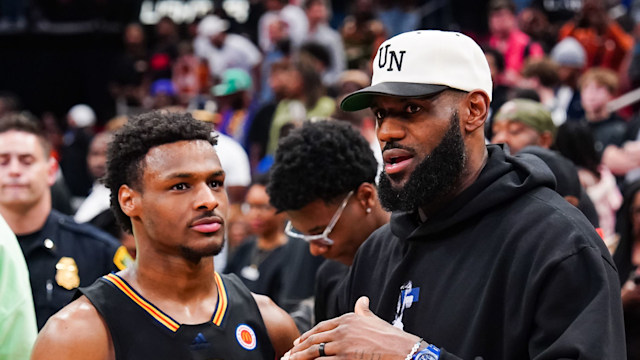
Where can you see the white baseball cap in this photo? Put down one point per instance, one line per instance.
(212, 25)
(82, 115)
(424, 62)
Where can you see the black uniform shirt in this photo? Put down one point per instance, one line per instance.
(64, 255)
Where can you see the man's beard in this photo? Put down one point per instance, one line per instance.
(195, 255)
(433, 179)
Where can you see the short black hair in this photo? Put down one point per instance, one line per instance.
(131, 143)
(321, 160)
(26, 122)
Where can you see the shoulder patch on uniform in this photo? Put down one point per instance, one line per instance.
(122, 259)
(246, 337)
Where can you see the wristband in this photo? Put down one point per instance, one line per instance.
(413, 350)
(431, 352)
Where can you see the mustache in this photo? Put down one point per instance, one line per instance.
(394, 145)
(208, 214)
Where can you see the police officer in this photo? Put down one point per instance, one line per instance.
(61, 255)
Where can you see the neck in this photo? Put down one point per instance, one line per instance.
(27, 219)
(598, 115)
(171, 277)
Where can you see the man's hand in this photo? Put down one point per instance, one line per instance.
(358, 335)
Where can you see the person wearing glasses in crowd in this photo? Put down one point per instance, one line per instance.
(270, 263)
(481, 259)
(323, 177)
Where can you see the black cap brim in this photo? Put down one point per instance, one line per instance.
(362, 99)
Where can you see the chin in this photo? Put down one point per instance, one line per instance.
(196, 253)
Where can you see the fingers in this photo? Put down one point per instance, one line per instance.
(362, 307)
(313, 352)
(321, 327)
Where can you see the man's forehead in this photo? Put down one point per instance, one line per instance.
(184, 157)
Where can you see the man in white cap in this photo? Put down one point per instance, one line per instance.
(224, 50)
(481, 258)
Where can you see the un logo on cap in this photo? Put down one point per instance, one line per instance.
(390, 57)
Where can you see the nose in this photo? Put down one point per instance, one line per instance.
(499, 137)
(390, 130)
(207, 198)
(14, 167)
(317, 249)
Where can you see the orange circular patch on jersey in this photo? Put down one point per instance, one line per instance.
(246, 337)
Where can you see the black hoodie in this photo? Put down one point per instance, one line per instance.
(507, 270)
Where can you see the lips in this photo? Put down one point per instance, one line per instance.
(396, 160)
(207, 225)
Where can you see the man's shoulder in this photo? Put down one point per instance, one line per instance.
(76, 331)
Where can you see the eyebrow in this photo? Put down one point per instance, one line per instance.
(181, 175)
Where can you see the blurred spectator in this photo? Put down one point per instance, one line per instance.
(61, 255)
(165, 48)
(163, 94)
(304, 98)
(190, 74)
(98, 199)
(598, 86)
(73, 155)
(604, 40)
(500, 91)
(571, 59)
(263, 262)
(236, 108)
(542, 76)
(290, 18)
(259, 130)
(224, 50)
(520, 123)
(567, 181)
(130, 74)
(534, 23)
(321, 33)
(576, 142)
(506, 37)
(627, 260)
(362, 33)
(399, 16)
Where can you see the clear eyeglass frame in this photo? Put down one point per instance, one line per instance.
(324, 237)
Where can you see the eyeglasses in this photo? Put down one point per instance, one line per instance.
(324, 237)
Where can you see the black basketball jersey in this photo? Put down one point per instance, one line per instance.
(142, 331)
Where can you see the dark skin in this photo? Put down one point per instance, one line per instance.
(178, 215)
(419, 125)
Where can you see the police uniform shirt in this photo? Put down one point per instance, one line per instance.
(140, 330)
(64, 255)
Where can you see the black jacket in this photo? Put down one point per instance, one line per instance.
(64, 255)
(507, 270)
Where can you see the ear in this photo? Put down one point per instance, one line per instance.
(129, 200)
(366, 196)
(52, 171)
(477, 108)
(545, 140)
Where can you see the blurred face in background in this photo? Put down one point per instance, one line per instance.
(97, 156)
(502, 22)
(262, 217)
(594, 97)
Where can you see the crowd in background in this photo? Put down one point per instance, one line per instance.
(293, 61)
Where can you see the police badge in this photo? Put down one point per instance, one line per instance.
(67, 273)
